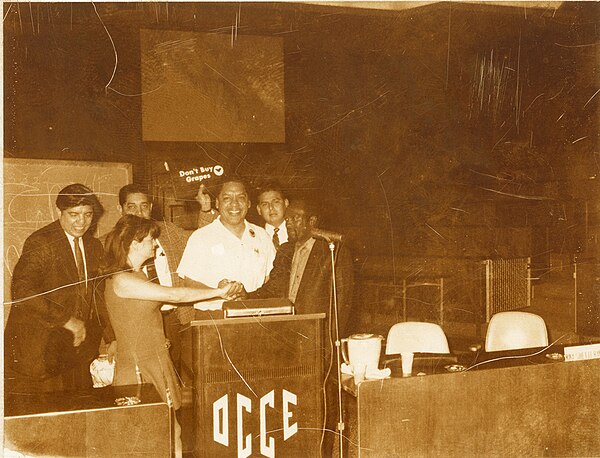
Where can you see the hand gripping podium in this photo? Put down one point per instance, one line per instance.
(258, 386)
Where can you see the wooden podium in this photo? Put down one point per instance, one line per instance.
(258, 386)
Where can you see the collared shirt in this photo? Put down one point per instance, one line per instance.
(299, 261)
(162, 266)
(282, 233)
(213, 253)
(72, 243)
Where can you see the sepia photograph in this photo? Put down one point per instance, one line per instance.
(301, 229)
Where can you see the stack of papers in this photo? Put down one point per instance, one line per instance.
(371, 374)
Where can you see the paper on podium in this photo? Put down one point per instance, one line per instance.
(209, 305)
(258, 307)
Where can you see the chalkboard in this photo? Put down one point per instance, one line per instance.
(30, 189)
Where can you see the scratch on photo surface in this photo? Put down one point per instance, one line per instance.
(206, 152)
(349, 113)
(242, 161)
(31, 16)
(590, 99)
(435, 231)
(495, 177)
(226, 354)
(501, 138)
(578, 140)
(21, 19)
(557, 94)
(577, 46)
(135, 95)
(518, 195)
(448, 55)
(222, 76)
(106, 87)
(529, 355)
(532, 102)
(391, 226)
(7, 11)
(58, 288)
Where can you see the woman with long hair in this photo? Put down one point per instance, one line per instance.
(134, 303)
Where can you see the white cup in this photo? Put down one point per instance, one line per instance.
(407, 363)
(359, 370)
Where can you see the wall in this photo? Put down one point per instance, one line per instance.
(439, 130)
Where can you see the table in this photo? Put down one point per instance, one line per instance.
(257, 385)
(88, 423)
(514, 407)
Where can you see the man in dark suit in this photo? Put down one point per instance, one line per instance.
(134, 200)
(302, 272)
(302, 268)
(57, 318)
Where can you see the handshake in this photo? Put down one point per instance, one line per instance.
(231, 290)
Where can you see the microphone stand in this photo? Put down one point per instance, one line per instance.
(340, 425)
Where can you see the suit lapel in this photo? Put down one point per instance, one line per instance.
(313, 272)
(287, 250)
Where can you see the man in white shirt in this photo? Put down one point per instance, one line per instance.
(230, 247)
(271, 207)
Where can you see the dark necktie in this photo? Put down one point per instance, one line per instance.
(82, 310)
(276, 237)
(151, 270)
(79, 260)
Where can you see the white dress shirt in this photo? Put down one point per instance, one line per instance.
(72, 243)
(282, 233)
(213, 253)
(162, 266)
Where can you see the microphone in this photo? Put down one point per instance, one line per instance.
(327, 235)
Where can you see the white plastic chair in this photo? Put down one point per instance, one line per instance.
(514, 330)
(416, 337)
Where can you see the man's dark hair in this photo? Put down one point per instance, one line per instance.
(232, 179)
(118, 241)
(308, 205)
(132, 188)
(77, 194)
(270, 185)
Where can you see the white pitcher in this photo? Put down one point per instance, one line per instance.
(362, 350)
